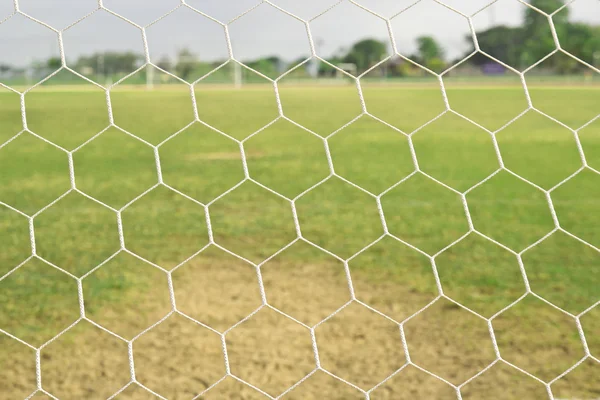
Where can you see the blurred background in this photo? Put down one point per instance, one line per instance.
(228, 238)
(190, 46)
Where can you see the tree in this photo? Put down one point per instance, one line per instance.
(186, 63)
(110, 62)
(121, 62)
(565, 65)
(53, 63)
(537, 32)
(582, 41)
(522, 46)
(304, 69)
(501, 42)
(269, 66)
(429, 48)
(300, 60)
(430, 53)
(325, 69)
(38, 68)
(549, 6)
(366, 53)
(591, 48)
(164, 63)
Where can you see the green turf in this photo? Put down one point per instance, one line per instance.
(164, 227)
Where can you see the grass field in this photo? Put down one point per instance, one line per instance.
(180, 359)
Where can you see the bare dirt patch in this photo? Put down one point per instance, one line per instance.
(179, 358)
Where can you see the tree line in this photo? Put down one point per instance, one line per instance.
(524, 45)
(518, 47)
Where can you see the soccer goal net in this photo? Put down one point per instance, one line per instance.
(265, 199)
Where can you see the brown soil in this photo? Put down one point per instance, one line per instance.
(179, 358)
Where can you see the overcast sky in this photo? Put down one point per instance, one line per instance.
(262, 32)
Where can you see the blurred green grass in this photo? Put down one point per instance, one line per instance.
(166, 228)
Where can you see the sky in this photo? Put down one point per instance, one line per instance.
(263, 31)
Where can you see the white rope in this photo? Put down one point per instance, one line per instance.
(150, 63)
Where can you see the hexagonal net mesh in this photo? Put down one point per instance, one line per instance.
(369, 225)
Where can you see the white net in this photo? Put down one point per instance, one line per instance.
(409, 242)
